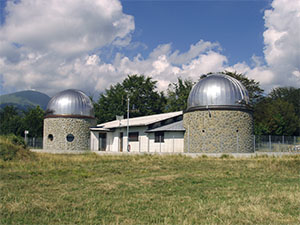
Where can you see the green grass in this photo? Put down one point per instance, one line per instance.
(149, 189)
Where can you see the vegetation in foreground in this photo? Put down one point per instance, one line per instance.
(13, 147)
(93, 189)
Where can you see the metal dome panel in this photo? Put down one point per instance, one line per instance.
(217, 91)
(70, 102)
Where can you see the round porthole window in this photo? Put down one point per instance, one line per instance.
(70, 137)
(50, 137)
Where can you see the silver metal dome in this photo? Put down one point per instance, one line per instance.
(218, 91)
(71, 103)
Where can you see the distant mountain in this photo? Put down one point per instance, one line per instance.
(25, 99)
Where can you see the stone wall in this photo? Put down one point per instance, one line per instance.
(59, 128)
(225, 131)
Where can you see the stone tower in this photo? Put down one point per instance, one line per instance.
(218, 118)
(69, 116)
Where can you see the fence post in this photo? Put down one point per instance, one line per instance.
(148, 147)
(254, 142)
(237, 142)
(294, 140)
(159, 143)
(270, 143)
(139, 144)
(188, 138)
(173, 143)
(282, 139)
(220, 145)
(26, 132)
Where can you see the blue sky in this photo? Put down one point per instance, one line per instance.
(237, 25)
(53, 45)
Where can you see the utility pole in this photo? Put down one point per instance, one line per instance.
(128, 123)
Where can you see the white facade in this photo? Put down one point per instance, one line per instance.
(106, 137)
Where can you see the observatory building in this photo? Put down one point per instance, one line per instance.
(68, 119)
(218, 118)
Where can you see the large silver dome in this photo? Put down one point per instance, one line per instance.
(72, 103)
(218, 91)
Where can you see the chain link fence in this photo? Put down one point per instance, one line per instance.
(35, 143)
(262, 143)
(269, 143)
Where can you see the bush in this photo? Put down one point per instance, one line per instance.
(12, 147)
(225, 156)
(17, 140)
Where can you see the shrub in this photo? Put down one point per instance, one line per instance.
(12, 147)
(225, 156)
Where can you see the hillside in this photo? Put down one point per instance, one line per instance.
(25, 99)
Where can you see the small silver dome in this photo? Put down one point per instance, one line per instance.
(72, 103)
(218, 91)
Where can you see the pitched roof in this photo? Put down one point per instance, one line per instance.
(140, 121)
(177, 126)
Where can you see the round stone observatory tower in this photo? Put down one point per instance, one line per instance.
(69, 116)
(218, 118)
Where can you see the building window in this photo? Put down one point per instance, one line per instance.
(50, 137)
(133, 136)
(159, 136)
(70, 137)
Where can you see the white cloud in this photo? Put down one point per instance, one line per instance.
(282, 42)
(68, 27)
(282, 48)
(162, 63)
(44, 44)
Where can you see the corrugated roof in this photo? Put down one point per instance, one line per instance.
(140, 121)
(177, 126)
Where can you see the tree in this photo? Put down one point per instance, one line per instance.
(288, 94)
(143, 98)
(252, 86)
(275, 117)
(10, 121)
(177, 95)
(33, 121)
(14, 122)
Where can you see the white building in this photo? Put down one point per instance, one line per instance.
(155, 133)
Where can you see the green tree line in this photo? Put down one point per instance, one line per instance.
(277, 113)
(13, 121)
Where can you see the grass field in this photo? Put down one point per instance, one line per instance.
(149, 189)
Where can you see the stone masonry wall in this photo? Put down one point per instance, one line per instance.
(226, 131)
(61, 127)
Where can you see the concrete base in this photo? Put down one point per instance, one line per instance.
(193, 155)
(59, 151)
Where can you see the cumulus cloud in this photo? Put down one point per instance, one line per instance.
(65, 27)
(281, 63)
(43, 44)
(53, 45)
(282, 46)
(282, 41)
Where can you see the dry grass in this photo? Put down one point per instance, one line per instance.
(91, 189)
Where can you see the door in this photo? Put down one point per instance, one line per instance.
(121, 142)
(102, 141)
